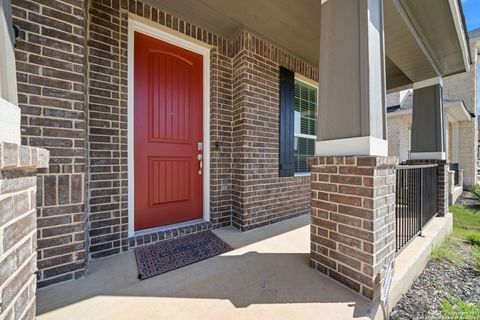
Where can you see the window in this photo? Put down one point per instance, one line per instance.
(305, 125)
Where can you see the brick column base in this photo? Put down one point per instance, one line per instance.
(353, 219)
(443, 187)
(18, 228)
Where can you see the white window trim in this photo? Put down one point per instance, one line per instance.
(136, 24)
(314, 84)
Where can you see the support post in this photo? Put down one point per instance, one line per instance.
(353, 179)
(351, 111)
(353, 219)
(428, 137)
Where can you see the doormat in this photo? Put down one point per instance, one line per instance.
(169, 255)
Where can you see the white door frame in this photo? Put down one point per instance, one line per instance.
(164, 35)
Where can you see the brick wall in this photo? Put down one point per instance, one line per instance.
(464, 86)
(393, 99)
(353, 219)
(18, 229)
(108, 87)
(468, 151)
(50, 56)
(260, 196)
(245, 58)
(399, 136)
(69, 73)
(107, 131)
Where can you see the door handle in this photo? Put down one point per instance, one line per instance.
(200, 159)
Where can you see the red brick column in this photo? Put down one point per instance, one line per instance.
(353, 219)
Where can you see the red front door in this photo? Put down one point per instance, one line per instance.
(168, 134)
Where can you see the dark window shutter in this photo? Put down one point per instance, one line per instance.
(287, 122)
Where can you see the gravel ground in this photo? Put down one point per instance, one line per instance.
(468, 200)
(439, 280)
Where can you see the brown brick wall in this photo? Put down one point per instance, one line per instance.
(18, 229)
(260, 196)
(353, 219)
(62, 83)
(50, 56)
(107, 130)
(108, 87)
(269, 199)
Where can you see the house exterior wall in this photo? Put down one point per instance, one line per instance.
(449, 142)
(50, 61)
(464, 86)
(393, 99)
(468, 151)
(399, 136)
(260, 196)
(73, 91)
(399, 144)
(108, 87)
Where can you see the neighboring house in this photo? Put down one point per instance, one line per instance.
(168, 118)
(460, 110)
(456, 115)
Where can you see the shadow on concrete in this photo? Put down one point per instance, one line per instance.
(244, 277)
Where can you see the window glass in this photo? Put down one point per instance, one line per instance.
(305, 124)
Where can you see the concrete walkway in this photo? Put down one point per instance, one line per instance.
(267, 276)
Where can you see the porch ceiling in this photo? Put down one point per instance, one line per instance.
(422, 38)
(293, 25)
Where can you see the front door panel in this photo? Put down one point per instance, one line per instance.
(168, 111)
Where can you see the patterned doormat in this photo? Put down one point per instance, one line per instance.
(169, 255)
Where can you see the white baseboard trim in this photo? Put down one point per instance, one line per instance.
(358, 146)
(428, 156)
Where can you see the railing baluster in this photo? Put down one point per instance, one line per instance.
(415, 201)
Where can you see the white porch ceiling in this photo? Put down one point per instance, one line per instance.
(295, 26)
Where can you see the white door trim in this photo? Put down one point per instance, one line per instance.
(163, 35)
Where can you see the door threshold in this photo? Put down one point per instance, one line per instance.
(168, 227)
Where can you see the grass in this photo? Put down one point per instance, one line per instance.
(456, 309)
(466, 229)
(475, 189)
(447, 251)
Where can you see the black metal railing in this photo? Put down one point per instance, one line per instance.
(454, 167)
(415, 200)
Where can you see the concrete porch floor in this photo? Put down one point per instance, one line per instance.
(267, 276)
